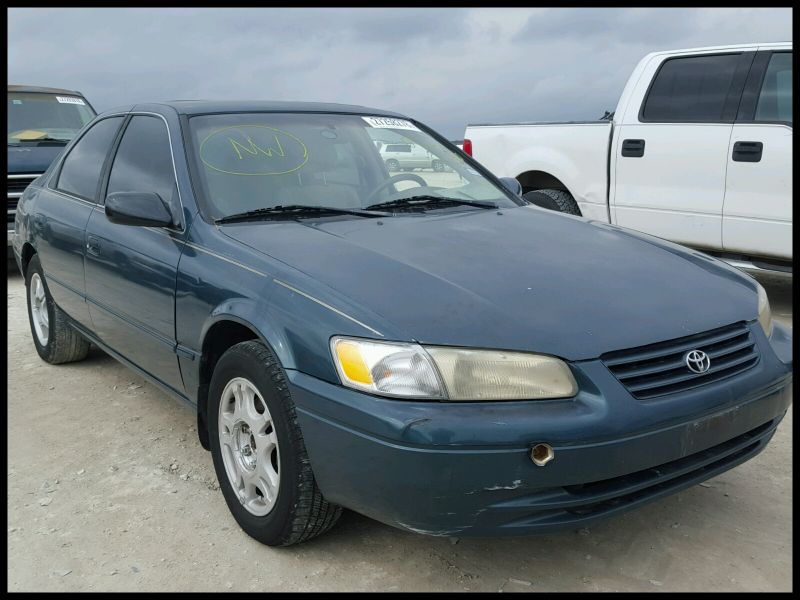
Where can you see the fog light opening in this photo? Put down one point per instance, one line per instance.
(541, 454)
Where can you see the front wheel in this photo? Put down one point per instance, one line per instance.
(258, 450)
(55, 340)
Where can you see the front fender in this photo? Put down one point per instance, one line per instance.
(255, 316)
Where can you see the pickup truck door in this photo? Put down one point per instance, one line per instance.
(131, 270)
(757, 215)
(62, 211)
(669, 153)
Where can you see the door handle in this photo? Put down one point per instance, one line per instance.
(93, 245)
(633, 148)
(747, 151)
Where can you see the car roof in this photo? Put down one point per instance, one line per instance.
(42, 90)
(198, 107)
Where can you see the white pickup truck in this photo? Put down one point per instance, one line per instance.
(698, 151)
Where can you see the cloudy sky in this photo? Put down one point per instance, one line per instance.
(446, 67)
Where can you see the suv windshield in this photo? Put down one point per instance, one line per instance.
(35, 117)
(249, 162)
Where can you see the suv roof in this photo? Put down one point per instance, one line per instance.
(42, 90)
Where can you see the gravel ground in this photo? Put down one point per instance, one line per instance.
(109, 490)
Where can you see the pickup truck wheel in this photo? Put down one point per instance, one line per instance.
(55, 340)
(557, 200)
(258, 450)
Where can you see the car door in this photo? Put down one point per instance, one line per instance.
(62, 211)
(670, 151)
(757, 215)
(131, 270)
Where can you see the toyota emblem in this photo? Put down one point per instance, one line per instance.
(697, 361)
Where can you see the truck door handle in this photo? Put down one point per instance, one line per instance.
(93, 245)
(633, 148)
(747, 151)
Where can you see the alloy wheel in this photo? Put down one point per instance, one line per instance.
(249, 446)
(41, 320)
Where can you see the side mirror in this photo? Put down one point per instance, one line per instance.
(512, 185)
(145, 209)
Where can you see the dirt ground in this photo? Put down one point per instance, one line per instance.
(109, 490)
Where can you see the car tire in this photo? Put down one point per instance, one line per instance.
(392, 165)
(258, 451)
(557, 200)
(438, 166)
(56, 341)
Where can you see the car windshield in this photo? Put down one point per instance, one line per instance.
(251, 162)
(37, 117)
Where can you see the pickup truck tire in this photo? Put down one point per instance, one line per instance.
(293, 510)
(55, 339)
(557, 200)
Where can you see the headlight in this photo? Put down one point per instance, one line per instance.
(388, 369)
(498, 375)
(764, 312)
(410, 370)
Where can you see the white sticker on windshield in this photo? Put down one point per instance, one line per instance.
(70, 100)
(390, 123)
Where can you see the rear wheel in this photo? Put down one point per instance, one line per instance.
(392, 165)
(55, 339)
(258, 450)
(557, 200)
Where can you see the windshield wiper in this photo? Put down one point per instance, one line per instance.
(292, 210)
(60, 141)
(428, 200)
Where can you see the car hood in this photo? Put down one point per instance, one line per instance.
(31, 159)
(517, 279)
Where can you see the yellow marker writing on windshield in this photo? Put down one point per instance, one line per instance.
(254, 148)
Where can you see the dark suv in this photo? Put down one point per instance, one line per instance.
(41, 121)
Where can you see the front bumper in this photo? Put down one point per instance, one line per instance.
(464, 468)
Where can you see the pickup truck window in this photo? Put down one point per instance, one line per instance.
(775, 99)
(690, 89)
(143, 162)
(80, 171)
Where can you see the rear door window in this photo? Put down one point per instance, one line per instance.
(691, 89)
(80, 171)
(775, 99)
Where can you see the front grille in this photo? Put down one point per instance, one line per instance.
(16, 186)
(658, 369)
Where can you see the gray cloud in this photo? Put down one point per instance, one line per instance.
(446, 67)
